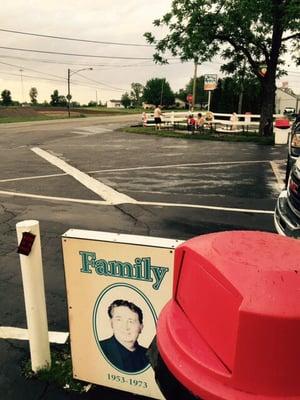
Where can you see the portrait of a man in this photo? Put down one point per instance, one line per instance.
(122, 348)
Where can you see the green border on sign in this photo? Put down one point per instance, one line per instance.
(98, 301)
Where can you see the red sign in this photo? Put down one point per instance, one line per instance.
(189, 98)
(26, 243)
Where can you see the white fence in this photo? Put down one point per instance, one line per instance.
(221, 122)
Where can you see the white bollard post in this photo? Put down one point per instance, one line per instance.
(34, 295)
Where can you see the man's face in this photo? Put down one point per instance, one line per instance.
(126, 325)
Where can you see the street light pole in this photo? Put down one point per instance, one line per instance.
(69, 84)
(194, 83)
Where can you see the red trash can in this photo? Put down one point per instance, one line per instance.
(281, 130)
(232, 328)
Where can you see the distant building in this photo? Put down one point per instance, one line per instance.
(114, 104)
(286, 98)
(179, 103)
(147, 106)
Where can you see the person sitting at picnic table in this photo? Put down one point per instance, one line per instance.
(200, 122)
(209, 117)
(234, 119)
(144, 119)
(191, 122)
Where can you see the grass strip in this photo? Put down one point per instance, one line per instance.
(227, 137)
(60, 373)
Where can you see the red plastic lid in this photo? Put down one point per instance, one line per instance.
(232, 328)
(282, 123)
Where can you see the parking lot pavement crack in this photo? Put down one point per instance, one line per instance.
(44, 391)
(7, 230)
(13, 344)
(130, 212)
(5, 215)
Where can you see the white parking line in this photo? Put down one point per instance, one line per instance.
(38, 196)
(91, 130)
(9, 332)
(180, 165)
(24, 178)
(278, 175)
(148, 203)
(142, 168)
(108, 194)
(241, 210)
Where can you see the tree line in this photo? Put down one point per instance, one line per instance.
(225, 98)
(249, 35)
(56, 99)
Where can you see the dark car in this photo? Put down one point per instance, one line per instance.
(293, 146)
(287, 211)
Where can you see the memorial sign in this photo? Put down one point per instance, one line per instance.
(116, 287)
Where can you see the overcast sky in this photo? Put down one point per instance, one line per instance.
(115, 21)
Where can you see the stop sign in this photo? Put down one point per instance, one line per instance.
(189, 98)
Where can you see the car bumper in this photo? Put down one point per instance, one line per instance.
(286, 222)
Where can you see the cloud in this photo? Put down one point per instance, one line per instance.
(115, 21)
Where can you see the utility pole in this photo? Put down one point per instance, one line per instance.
(242, 88)
(161, 92)
(22, 87)
(96, 98)
(69, 95)
(194, 82)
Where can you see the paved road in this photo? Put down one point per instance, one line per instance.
(153, 186)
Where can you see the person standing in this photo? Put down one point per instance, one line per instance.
(157, 117)
(234, 119)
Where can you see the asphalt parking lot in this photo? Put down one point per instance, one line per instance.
(89, 175)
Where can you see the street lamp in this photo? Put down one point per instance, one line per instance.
(70, 73)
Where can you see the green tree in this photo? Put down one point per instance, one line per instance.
(136, 94)
(158, 91)
(201, 94)
(58, 100)
(258, 31)
(226, 97)
(125, 100)
(6, 98)
(33, 95)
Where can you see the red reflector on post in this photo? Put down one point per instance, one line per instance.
(26, 243)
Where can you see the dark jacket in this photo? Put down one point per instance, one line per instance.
(123, 359)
